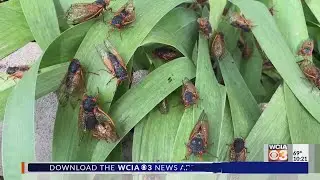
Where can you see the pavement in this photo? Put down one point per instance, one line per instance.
(46, 106)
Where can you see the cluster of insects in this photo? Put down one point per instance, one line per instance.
(81, 12)
(91, 117)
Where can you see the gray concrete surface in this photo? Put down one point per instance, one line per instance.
(46, 106)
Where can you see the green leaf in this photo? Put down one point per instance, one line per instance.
(294, 36)
(67, 44)
(314, 7)
(244, 108)
(216, 9)
(293, 33)
(213, 97)
(274, 46)
(14, 28)
(154, 136)
(271, 127)
(251, 69)
(302, 125)
(19, 127)
(42, 20)
(227, 132)
(157, 82)
(178, 28)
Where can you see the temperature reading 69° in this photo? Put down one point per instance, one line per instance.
(297, 153)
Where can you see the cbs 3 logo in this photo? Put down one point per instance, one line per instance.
(281, 155)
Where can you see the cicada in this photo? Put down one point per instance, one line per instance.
(239, 21)
(165, 53)
(163, 106)
(93, 118)
(238, 150)
(205, 27)
(73, 82)
(218, 46)
(311, 72)
(81, 12)
(306, 48)
(113, 62)
(123, 17)
(16, 72)
(198, 139)
(189, 93)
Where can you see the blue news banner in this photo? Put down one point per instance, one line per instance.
(225, 167)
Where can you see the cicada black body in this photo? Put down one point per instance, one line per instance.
(16, 72)
(239, 21)
(113, 62)
(166, 53)
(238, 150)
(94, 119)
(125, 16)
(189, 93)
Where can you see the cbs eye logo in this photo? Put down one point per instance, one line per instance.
(278, 155)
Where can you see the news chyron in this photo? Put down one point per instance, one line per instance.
(286, 153)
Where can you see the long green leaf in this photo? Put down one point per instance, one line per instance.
(14, 28)
(19, 127)
(157, 132)
(274, 46)
(244, 108)
(295, 34)
(271, 128)
(42, 20)
(213, 97)
(216, 9)
(303, 127)
(314, 7)
(178, 28)
(157, 82)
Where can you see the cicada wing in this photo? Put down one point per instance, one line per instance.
(78, 88)
(102, 116)
(62, 92)
(80, 12)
